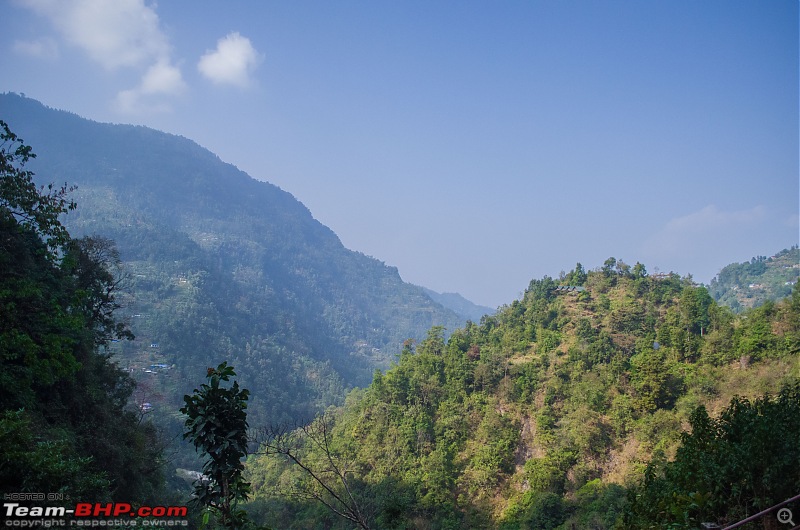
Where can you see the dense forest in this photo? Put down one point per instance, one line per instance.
(562, 411)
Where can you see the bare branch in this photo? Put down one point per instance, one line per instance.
(296, 444)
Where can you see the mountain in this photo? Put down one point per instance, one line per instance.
(560, 411)
(463, 307)
(749, 284)
(220, 266)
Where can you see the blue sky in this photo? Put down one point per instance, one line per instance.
(474, 145)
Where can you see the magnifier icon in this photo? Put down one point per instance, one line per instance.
(785, 516)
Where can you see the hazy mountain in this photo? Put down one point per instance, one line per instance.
(751, 283)
(223, 266)
(463, 307)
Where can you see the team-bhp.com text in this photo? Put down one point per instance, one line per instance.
(91, 514)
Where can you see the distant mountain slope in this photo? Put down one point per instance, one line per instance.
(463, 307)
(749, 284)
(225, 267)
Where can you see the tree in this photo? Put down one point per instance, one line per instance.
(727, 468)
(576, 276)
(95, 265)
(639, 270)
(21, 200)
(216, 423)
(609, 265)
(694, 307)
(28, 464)
(654, 386)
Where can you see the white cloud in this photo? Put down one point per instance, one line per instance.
(133, 101)
(45, 48)
(114, 33)
(119, 34)
(161, 78)
(232, 62)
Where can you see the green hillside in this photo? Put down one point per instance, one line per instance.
(221, 266)
(546, 414)
(750, 284)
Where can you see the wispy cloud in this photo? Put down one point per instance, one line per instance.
(44, 48)
(117, 34)
(232, 62)
(161, 78)
(708, 221)
(702, 241)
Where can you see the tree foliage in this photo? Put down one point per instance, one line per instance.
(216, 423)
(727, 468)
(31, 207)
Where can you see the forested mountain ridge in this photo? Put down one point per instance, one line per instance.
(222, 266)
(546, 414)
(749, 284)
(467, 309)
